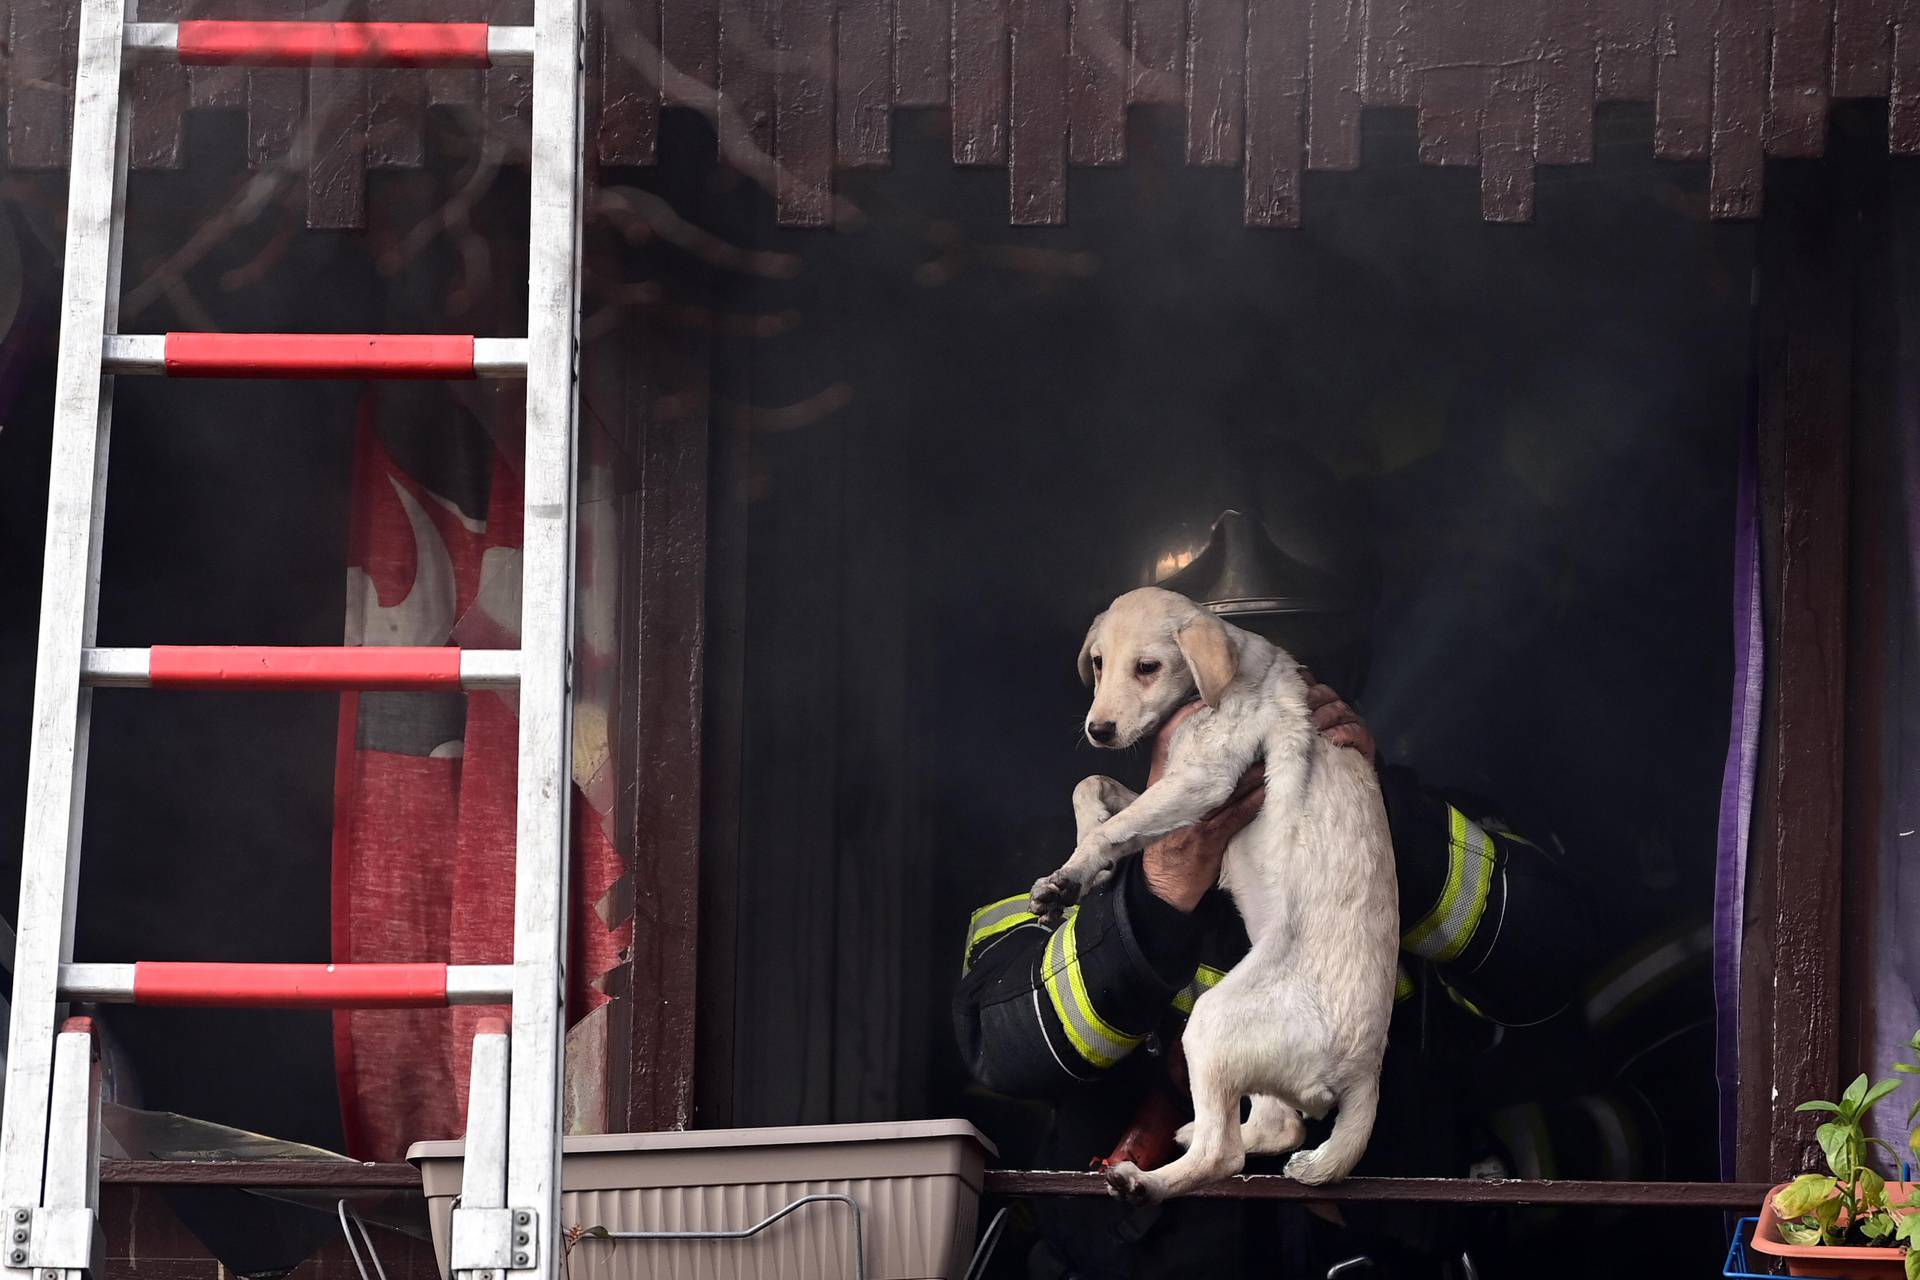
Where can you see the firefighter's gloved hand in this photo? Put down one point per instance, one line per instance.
(1339, 723)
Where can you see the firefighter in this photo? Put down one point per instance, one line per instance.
(1492, 929)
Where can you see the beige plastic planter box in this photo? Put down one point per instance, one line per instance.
(917, 1185)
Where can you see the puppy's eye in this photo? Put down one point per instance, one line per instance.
(1145, 667)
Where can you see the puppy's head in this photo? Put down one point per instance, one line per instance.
(1145, 656)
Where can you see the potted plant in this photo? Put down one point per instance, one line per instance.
(1849, 1223)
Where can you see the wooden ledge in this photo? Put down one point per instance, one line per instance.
(263, 1174)
(1024, 1182)
(1516, 1191)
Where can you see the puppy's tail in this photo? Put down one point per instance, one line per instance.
(1334, 1159)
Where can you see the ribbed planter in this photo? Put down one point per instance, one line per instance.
(917, 1186)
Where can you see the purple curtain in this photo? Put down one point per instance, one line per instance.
(1736, 796)
(1894, 902)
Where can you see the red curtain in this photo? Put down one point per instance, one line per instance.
(423, 839)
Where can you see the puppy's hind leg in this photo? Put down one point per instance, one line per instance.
(1272, 1127)
(1216, 1151)
(1334, 1159)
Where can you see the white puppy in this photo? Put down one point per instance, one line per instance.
(1300, 1024)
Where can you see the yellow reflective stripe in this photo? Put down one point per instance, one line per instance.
(1463, 1002)
(988, 916)
(991, 921)
(1402, 985)
(1092, 1037)
(1445, 931)
(1204, 977)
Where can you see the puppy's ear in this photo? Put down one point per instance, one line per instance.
(1210, 655)
(1086, 653)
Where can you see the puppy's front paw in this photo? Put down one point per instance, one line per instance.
(1126, 1181)
(1052, 895)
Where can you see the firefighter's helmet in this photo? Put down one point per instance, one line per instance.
(1320, 616)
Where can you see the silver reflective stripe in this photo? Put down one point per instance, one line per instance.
(1445, 931)
(992, 921)
(1645, 974)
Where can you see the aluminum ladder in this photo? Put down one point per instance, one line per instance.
(508, 1217)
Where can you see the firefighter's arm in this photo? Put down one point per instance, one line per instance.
(1491, 910)
(1487, 911)
(1040, 1010)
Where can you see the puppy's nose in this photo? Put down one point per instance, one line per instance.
(1100, 730)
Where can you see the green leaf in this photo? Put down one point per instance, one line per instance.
(1872, 1193)
(1879, 1091)
(1913, 1264)
(1850, 1100)
(1876, 1226)
(1804, 1194)
(1827, 1214)
(1794, 1233)
(1906, 1068)
(1913, 1141)
(1836, 1140)
(1818, 1106)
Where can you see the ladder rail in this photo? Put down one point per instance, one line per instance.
(523, 1118)
(69, 596)
(546, 634)
(483, 1230)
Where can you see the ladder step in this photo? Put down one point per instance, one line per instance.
(314, 355)
(200, 985)
(332, 44)
(394, 667)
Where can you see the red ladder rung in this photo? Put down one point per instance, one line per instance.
(262, 667)
(290, 986)
(213, 985)
(293, 667)
(334, 44)
(319, 355)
